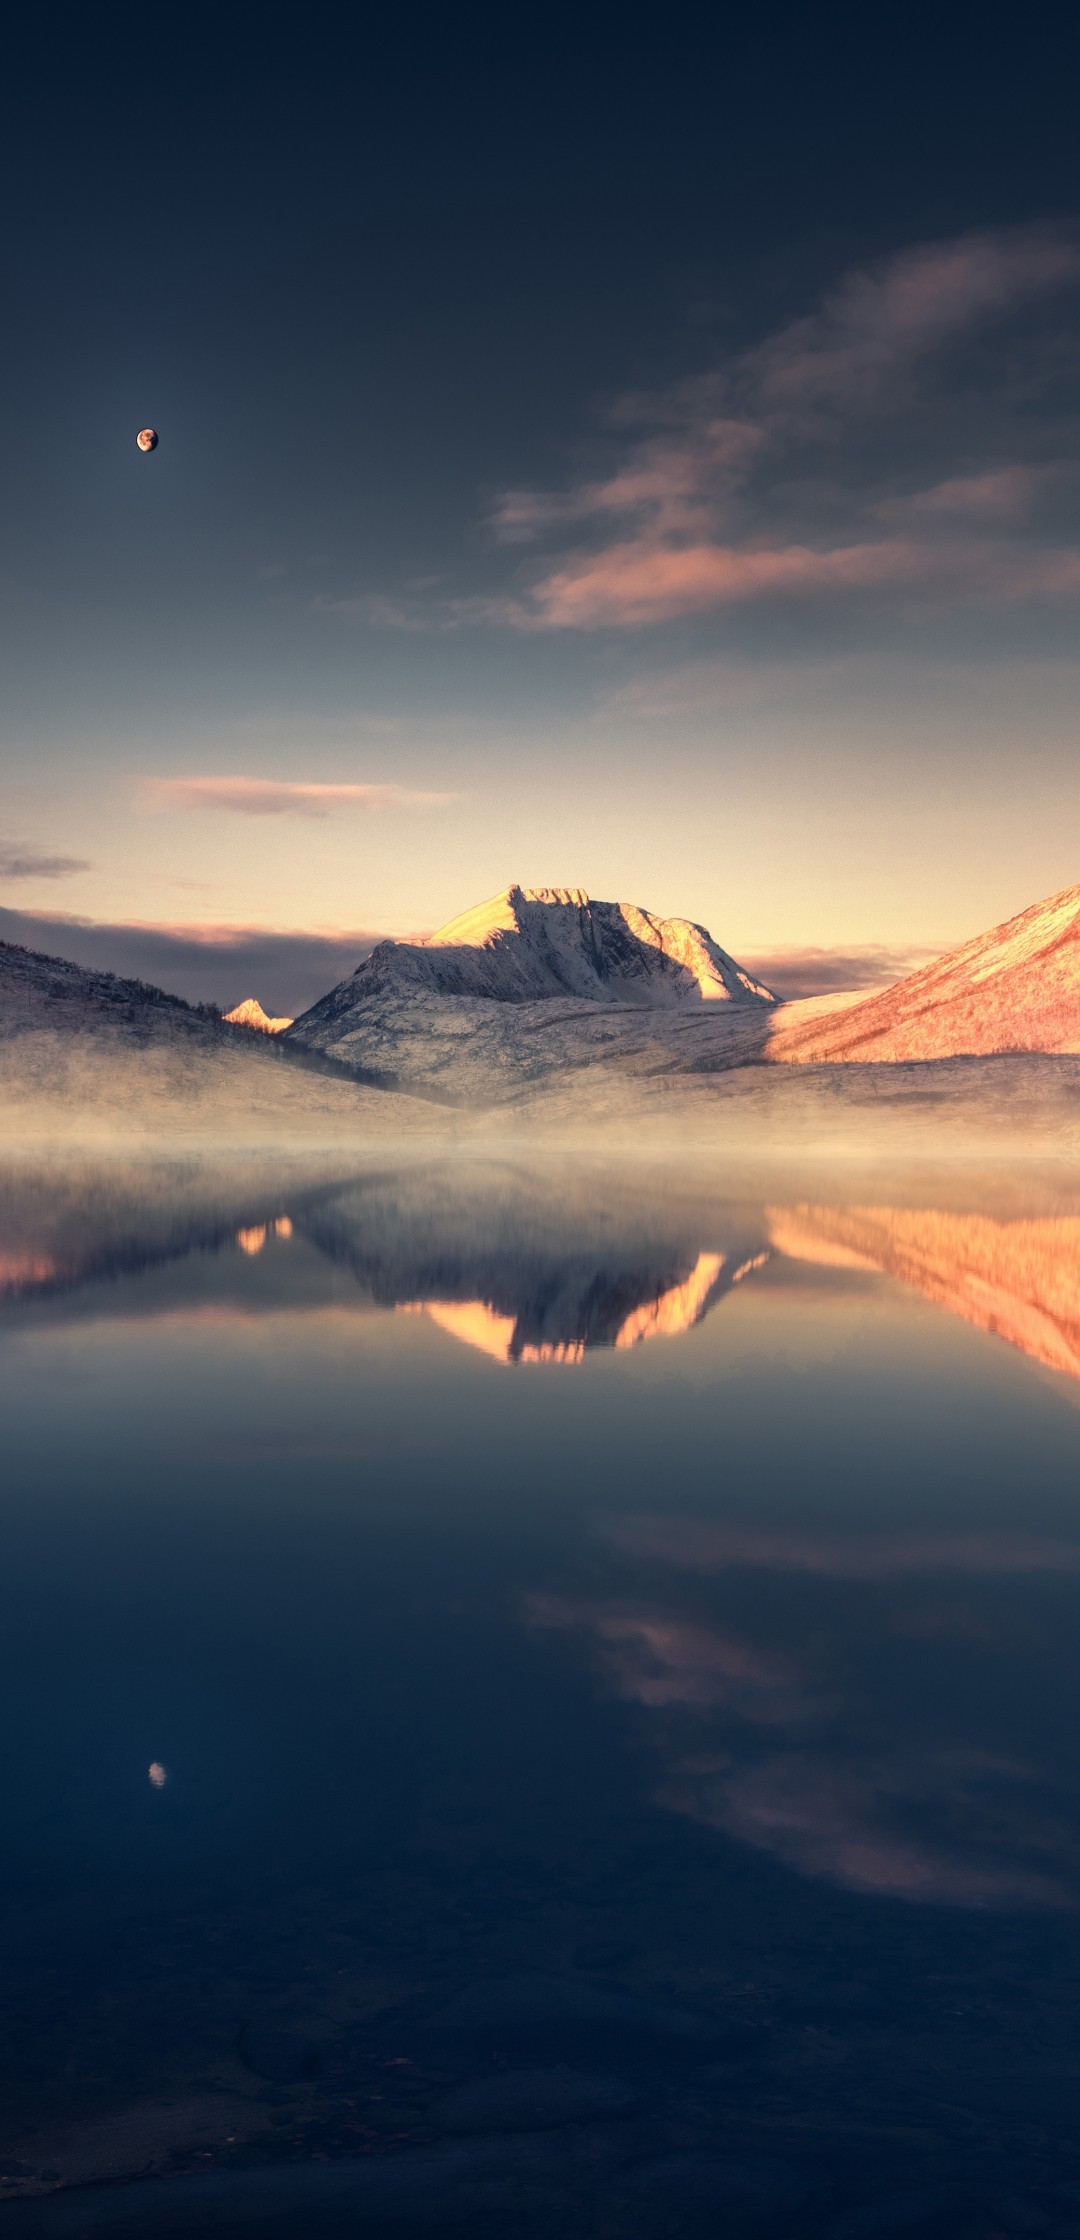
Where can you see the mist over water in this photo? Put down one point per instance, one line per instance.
(538, 1697)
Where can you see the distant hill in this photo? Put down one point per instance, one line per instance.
(85, 1052)
(37, 990)
(1015, 988)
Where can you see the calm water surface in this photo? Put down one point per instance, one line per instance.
(540, 1702)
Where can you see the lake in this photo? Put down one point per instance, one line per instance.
(540, 1698)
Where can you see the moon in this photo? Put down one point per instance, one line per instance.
(147, 439)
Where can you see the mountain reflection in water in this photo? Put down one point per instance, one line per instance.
(525, 1276)
(442, 1800)
(1019, 1279)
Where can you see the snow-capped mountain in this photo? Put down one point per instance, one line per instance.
(531, 942)
(1015, 988)
(509, 972)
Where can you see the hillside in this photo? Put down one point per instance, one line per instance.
(86, 1054)
(1016, 988)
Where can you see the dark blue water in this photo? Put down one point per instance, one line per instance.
(540, 1702)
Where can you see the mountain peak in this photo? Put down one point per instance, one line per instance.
(532, 942)
(506, 912)
(250, 1013)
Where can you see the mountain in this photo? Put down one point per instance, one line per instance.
(1016, 988)
(522, 986)
(250, 1013)
(529, 943)
(574, 1015)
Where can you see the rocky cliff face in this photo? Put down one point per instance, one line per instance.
(1015, 988)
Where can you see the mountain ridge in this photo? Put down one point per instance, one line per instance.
(1014, 988)
(526, 944)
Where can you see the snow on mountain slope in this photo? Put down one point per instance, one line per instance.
(537, 941)
(1015, 988)
(532, 943)
(523, 985)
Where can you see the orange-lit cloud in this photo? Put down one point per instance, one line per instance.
(881, 320)
(711, 504)
(631, 585)
(645, 581)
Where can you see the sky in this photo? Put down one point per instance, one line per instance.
(632, 456)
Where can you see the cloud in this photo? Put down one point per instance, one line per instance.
(831, 1820)
(32, 863)
(793, 973)
(664, 478)
(643, 582)
(271, 797)
(942, 1821)
(1002, 495)
(204, 963)
(658, 1660)
(768, 477)
(879, 322)
(648, 581)
(688, 1544)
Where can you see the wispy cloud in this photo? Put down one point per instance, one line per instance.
(793, 973)
(658, 1659)
(33, 863)
(688, 1544)
(844, 1823)
(878, 324)
(818, 465)
(273, 797)
(941, 1823)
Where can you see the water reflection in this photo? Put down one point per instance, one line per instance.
(1019, 1279)
(596, 1316)
(526, 1272)
(444, 1799)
